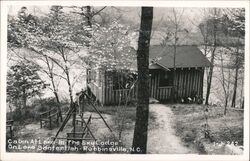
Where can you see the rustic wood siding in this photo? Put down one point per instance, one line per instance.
(188, 81)
(114, 96)
(159, 93)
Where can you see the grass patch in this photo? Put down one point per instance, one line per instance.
(111, 110)
(129, 111)
(190, 120)
(123, 117)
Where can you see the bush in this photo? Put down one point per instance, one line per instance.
(17, 115)
(33, 111)
(42, 105)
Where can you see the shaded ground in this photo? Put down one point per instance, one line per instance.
(161, 135)
(33, 131)
(225, 132)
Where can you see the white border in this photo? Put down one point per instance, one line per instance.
(149, 157)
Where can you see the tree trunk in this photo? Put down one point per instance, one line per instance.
(89, 23)
(51, 75)
(74, 118)
(235, 78)
(72, 104)
(174, 89)
(242, 105)
(241, 95)
(70, 88)
(228, 91)
(225, 107)
(57, 99)
(210, 74)
(235, 87)
(141, 124)
(24, 99)
(89, 16)
(225, 85)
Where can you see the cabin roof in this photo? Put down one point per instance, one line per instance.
(187, 56)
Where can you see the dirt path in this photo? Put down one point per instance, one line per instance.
(162, 138)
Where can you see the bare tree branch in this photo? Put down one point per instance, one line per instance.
(97, 12)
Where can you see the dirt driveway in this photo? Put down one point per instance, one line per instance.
(162, 139)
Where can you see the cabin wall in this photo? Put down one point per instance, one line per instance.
(116, 96)
(157, 92)
(97, 85)
(188, 82)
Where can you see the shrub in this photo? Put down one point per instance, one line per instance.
(33, 111)
(17, 115)
(45, 104)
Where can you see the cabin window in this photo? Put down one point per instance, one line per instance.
(123, 80)
(166, 78)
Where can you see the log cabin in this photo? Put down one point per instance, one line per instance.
(180, 79)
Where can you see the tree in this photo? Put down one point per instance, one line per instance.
(110, 47)
(174, 27)
(48, 69)
(232, 29)
(22, 33)
(142, 109)
(87, 14)
(109, 50)
(56, 38)
(51, 74)
(223, 31)
(62, 38)
(238, 28)
(209, 30)
(225, 81)
(23, 82)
